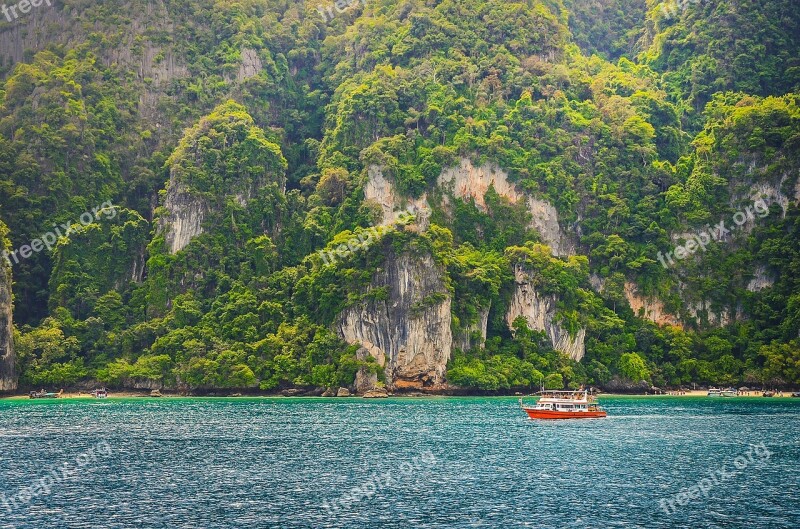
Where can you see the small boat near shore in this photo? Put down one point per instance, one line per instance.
(99, 393)
(730, 392)
(727, 392)
(563, 405)
(45, 395)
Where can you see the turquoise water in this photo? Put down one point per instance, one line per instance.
(397, 463)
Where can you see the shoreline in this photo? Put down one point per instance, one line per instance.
(131, 394)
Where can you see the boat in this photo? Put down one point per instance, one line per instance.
(796, 394)
(45, 395)
(714, 392)
(563, 405)
(768, 394)
(99, 393)
(729, 392)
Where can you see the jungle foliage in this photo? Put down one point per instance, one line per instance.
(637, 127)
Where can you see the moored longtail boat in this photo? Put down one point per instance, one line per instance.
(45, 395)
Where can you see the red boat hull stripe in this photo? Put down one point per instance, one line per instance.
(549, 414)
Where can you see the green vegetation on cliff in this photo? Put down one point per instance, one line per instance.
(238, 139)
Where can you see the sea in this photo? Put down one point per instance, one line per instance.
(435, 463)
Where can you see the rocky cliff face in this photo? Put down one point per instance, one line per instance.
(649, 308)
(251, 65)
(184, 216)
(379, 190)
(467, 181)
(8, 376)
(539, 311)
(60, 24)
(33, 32)
(367, 380)
(761, 280)
(473, 336)
(409, 331)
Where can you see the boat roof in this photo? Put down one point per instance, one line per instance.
(575, 395)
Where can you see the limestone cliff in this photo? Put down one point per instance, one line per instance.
(184, 216)
(251, 64)
(8, 376)
(156, 65)
(692, 313)
(473, 336)
(380, 191)
(704, 315)
(367, 380)
(201, 179)
(540, 311)
(649, 308)
(761, 280)
(468, 181)
(408, 330)
(34, 32)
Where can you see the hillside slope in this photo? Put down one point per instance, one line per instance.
(214, 173)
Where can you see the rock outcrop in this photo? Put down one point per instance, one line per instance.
(251, 64)
(649, 308)
(540, 311)
(379, 393)
(770, 194)
(797, 191)
(692, 313)
(366, 379)
(473, 336)
(761, 280)
(467, 181)
(224, 156)
(184, 216)
(8, 375)
(379, 190)
(702, 314)
(156, 65)
(34, 32)
(408, 330)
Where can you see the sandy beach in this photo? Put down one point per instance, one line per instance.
(696, 393)
(124, 394)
